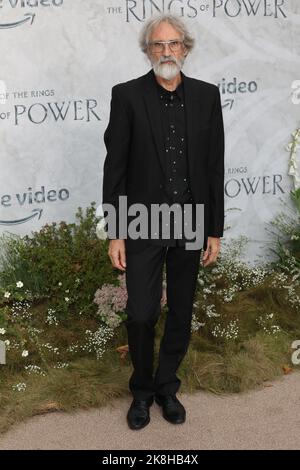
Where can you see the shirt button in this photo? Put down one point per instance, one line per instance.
(170, 179)
(174, 162)
(180, 151)
(175, 192)
(182, 105)
(182, 138)
(184, 179)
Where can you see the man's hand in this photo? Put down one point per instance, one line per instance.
(116, 252)
(211, 253)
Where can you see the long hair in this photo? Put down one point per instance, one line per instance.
(175, 21)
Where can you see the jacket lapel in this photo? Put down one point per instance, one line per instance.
(154, 115)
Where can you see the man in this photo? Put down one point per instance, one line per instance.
(165, 144)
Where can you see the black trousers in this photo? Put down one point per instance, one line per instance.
(144, 275)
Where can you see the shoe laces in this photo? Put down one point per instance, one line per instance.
(170, 399)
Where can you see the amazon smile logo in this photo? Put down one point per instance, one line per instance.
(25, 18)
(36, 213)
(27, 199)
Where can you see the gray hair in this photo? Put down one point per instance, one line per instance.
(173, 20)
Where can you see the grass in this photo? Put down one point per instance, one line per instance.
(244, 322)
(87, 383)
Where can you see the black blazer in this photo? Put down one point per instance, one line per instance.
(135, 160)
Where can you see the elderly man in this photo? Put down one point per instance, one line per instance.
(165, 144)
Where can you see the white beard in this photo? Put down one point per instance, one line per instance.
(166, 70)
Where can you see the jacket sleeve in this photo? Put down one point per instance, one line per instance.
(117, 141)
(216, 171)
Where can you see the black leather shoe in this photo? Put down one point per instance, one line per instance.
(138, 415)
(173, 410)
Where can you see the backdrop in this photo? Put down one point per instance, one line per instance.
(59, 60)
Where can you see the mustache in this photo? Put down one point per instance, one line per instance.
(166, 59)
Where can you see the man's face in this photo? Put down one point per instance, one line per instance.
(166, 60)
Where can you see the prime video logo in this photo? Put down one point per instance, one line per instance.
(24, 9)
(160, 217)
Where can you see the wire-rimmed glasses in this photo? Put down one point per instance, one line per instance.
(158, 46)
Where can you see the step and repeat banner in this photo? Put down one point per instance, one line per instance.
(59, 61)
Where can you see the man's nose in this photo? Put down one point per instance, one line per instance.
(166, 47)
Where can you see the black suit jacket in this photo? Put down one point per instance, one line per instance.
(135, 160)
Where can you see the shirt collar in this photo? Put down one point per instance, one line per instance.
(178, 91)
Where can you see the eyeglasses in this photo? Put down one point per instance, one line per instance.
(158, 46)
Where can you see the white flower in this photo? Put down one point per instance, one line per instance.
(210, 311)
(101, 233)
(7, 342)
(60, 283)
(67, 299)
(7, 295)
(20, 387)
(2, 331)
(25, 353)
(19, 284)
